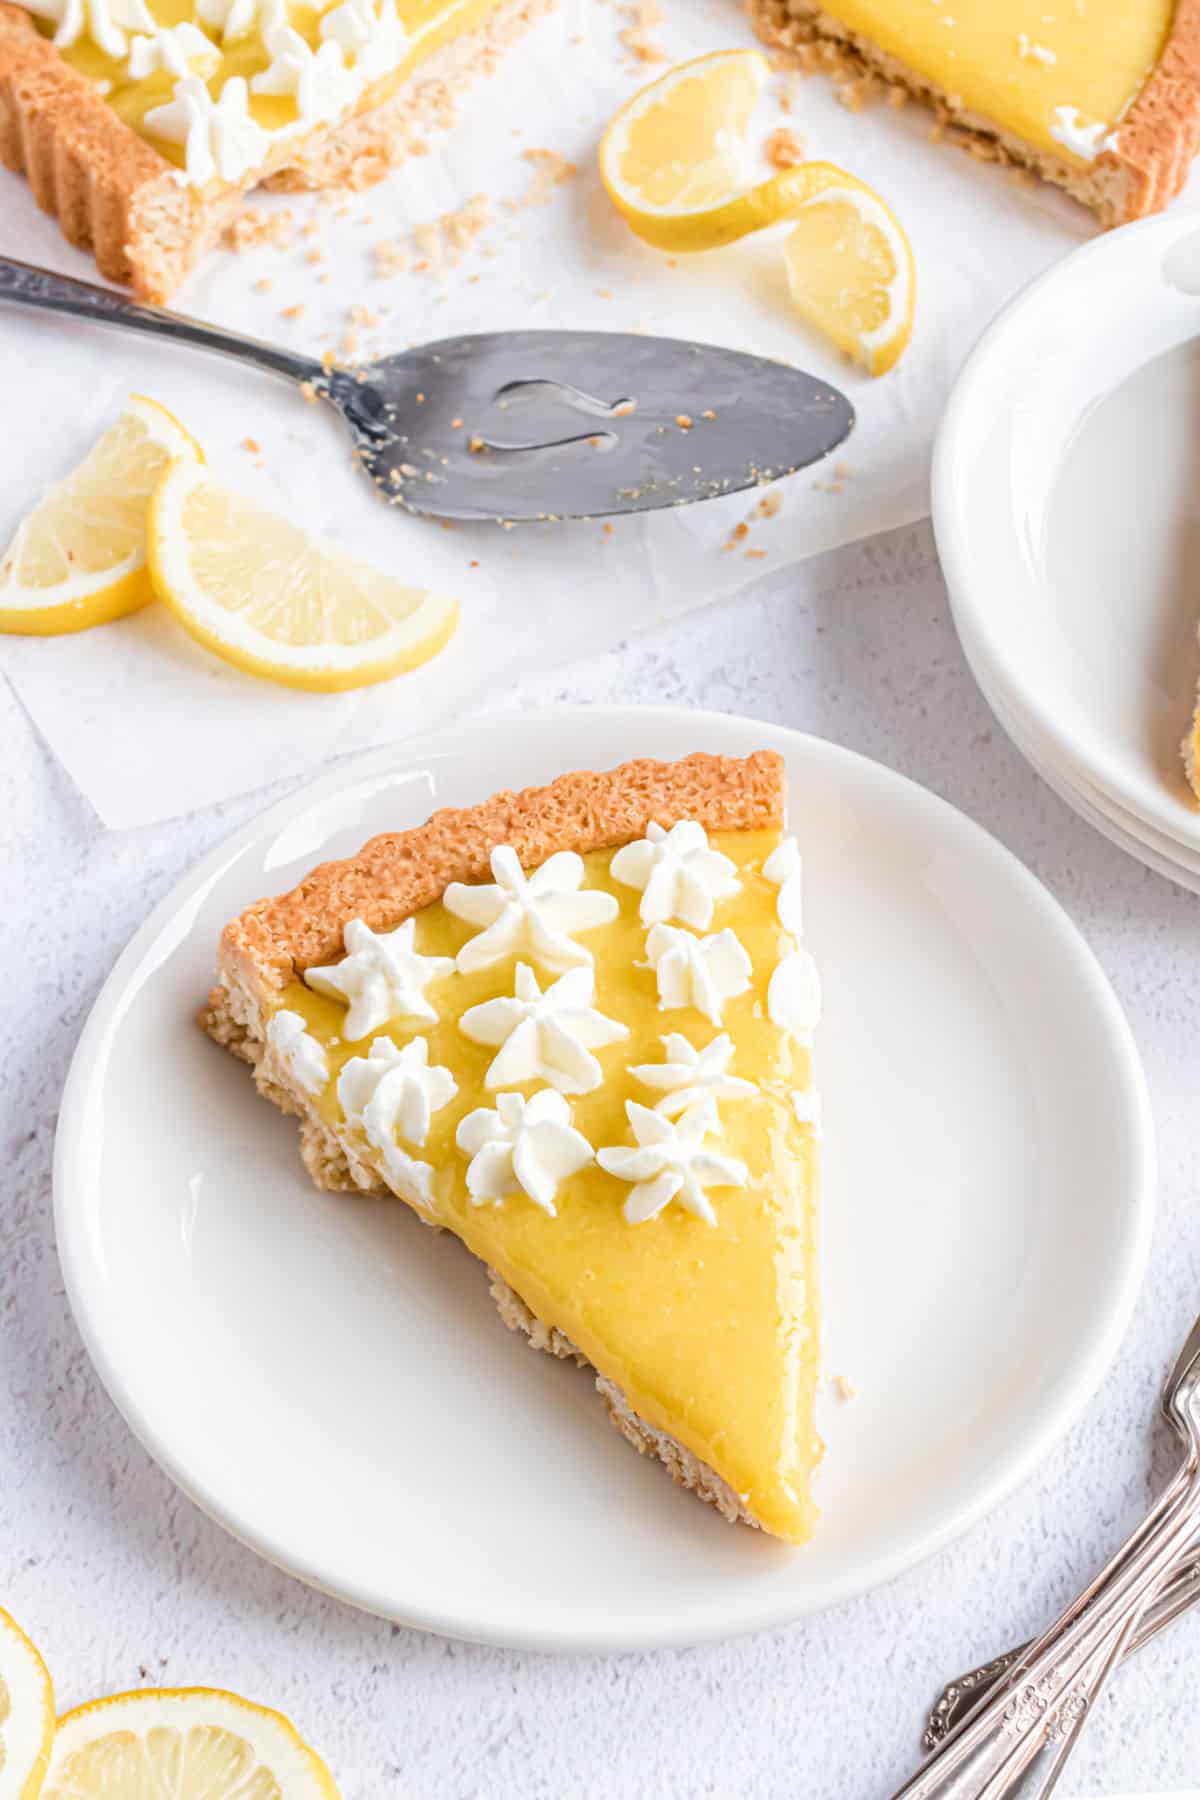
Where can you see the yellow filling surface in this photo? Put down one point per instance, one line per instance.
(711, 1332)
(1016, 61)
(428, 23)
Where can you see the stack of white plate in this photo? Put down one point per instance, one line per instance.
(1066, 501)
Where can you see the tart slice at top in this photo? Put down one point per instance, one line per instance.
(573, 1026)
(1101, 97)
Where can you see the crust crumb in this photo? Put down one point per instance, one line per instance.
(252, 228)
(783, 148)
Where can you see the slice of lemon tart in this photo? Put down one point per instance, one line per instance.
(1101, 97)
(573, 1026)
(144, 123)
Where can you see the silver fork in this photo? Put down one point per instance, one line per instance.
(1019, 1737)
(959, 1697)
(524, 425)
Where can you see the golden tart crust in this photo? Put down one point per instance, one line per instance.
(115, 195)
(1157, 139)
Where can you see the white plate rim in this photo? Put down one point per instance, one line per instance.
(1127, 831)
(883, 1568)
(1095, 809)
(1097, 764)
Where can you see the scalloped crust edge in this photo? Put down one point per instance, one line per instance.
(391, 878)
(1156, 140)
(115, 195)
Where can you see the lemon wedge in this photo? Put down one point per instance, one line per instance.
(675, 163)
(79, 558)
(190, 1743)
(851, 272)
(26, 1714)
(260, 593)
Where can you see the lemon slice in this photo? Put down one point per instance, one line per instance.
(676, 153)
(851, 272)
(263, 595)
(79, 558)
(26, 1714)
(675, 163)
(189, 1743)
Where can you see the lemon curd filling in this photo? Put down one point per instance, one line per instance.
(427, 26)
(1057, 73)
(709, 1329)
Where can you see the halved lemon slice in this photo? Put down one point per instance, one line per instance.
(189, 1743)
(851, 271)
(263, 595)
(26, 1714)
(676, 155)
(79, 558)
(674, 161)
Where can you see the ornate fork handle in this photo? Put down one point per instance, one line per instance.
(42, 289)
(962, 1695)
(1018, 1740)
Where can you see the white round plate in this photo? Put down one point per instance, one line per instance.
(1095, 809)
(1165, 855)
(1064, 506)
(329, 1379)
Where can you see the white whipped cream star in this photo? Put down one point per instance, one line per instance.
(182, 50)
(524, 1145)
(794, 993)
(1086, 141)
(702, 972)
(537, 916)
(298, 1052)
(687, 1076)
(679, 875)
(671, 1163)
(393, 1093)
(783, 867)
(381, 978)
(375, 41)
(219, 135)
(318, 80)
(546, 1037)
(104, 21)
(236, 19)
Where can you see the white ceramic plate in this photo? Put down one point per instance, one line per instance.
(1064, 502)
(329, 1380)
(1165, 855)
(1094, 808)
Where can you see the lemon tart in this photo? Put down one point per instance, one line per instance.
(573, 1026)
(144, 123)
(1101, 97)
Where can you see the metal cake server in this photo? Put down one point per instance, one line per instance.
(522, 425)
(1018, 1738)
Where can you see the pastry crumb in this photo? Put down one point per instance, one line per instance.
(754, 555)
(783, 148)
(636, 37)
(252, 228)
(309, 392)
(263, 285)
(252, 445)
(844, 1388)
(550, 170)
(296, 311)
(389, 257)
(684, 421)
(770, 504)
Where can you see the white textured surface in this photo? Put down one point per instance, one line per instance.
(120, 1580)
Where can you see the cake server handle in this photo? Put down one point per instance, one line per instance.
(42, 289)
